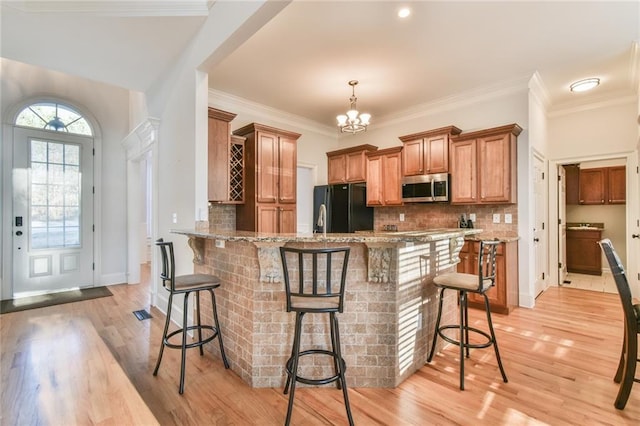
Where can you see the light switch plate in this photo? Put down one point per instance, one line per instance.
(401, 217)
(472, 217)
(508, 218)
(496, 218)
(220, 243)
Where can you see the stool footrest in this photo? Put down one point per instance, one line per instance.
(193, 344)
(453, 341)
(321, 381)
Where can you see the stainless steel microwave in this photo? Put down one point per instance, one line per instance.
(426, 188)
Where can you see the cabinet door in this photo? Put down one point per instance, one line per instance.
(413, 158)
(583, 252)
(356, 169)
(267, 218)
(572, 174)
(495, 169)
(463, 172)
(437, 154)
(337, 166)
(592, 186)
(374, 181)
(287, 169)
(617, 185)
(287, 219)
(267, 167)
(391, 170)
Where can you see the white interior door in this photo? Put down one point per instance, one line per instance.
(562, 225)
(539, 232)
(52, 211)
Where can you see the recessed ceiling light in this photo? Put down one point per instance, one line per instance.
(404, 12)
(584, 85)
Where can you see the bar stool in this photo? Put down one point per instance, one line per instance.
(187, 284)
(464, 284)
(309, 275)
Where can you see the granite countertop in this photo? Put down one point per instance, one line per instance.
(584, 226)
(426, 235)
(491, 236)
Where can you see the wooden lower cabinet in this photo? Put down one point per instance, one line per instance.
(276, 218)
(583, 252)
(503, 297)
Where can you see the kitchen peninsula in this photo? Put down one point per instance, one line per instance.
(390, 309)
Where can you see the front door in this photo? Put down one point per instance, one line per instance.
(52, 211)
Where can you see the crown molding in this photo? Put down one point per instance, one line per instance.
(634, 67)
(237, 104)
(539, 92)
(610, 100)
(122, 8)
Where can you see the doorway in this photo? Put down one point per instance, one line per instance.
(52, 223)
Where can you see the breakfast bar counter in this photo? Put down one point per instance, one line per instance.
(388, 320)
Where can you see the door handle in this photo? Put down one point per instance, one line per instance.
(635, 235)
(18, 233)
(536, 240)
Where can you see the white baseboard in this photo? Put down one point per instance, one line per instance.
(111, 279)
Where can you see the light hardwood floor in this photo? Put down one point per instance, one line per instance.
(560, 359)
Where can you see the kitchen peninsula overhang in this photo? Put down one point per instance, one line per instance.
(380, 245)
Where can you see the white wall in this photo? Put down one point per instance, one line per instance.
(109, 106)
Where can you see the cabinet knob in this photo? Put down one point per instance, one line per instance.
(602, 201)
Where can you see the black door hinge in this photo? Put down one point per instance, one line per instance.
(543, 275)
(559, 265)
(93, 266)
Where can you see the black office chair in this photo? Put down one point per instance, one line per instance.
(187, 284)
(625, 374)
(464, 284)
(309, 277)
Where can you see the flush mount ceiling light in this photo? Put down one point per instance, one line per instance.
(404, 12)
(353, 121)
(584, 85)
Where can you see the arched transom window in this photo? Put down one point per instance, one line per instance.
(54, 116)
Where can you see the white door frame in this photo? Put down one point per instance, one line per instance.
(632, 214)
(540, 230)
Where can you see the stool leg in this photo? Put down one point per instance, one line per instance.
(493, 337)
(463, 335)
(184, 342)
(215, 319)
(199, 322)
(435, 333)
(338, 357)
(627, 379)
(164, 334)
(466, 324)
(335, 344)
(621, 363)
(294, 366)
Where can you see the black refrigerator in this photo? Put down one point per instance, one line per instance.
(346, 205)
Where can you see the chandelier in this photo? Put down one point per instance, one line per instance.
(353, 121)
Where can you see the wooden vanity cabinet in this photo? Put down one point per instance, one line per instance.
(427, 152)
(503, 297)
(384, 187)
(271, 167)
(483, 166)
(583, 251)
(225, 183)
(348, 165)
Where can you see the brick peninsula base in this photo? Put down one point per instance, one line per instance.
(389, 316)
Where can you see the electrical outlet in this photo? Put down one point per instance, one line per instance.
(472, 217)
(508, 218)
(496, 218)
(220, 243)
(174, 218)
(401, 217)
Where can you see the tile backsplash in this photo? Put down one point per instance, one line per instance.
(423, 216)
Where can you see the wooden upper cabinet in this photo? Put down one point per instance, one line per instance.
(427, 152)
(572, 187)
(384, 169)
(617, 185)
(483, 166)
(225, 181)
(348, 165)
(271, 167)
(603, 185)
(593, 186)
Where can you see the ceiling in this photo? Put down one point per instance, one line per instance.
(301, 60)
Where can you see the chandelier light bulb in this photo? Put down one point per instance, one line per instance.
(342, 119)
